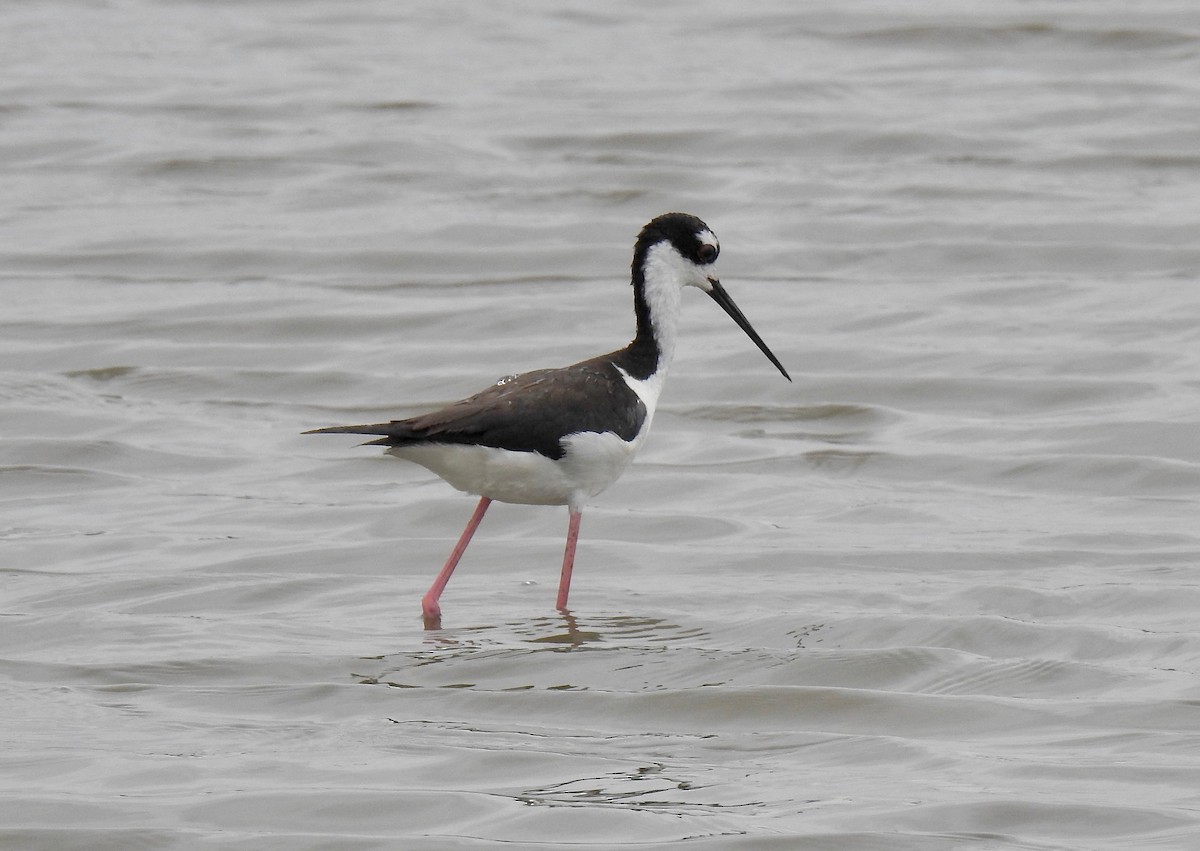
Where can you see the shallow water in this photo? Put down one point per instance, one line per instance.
(939, 593)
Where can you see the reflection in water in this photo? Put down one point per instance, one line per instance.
(572, 635)
(564, 630)
(531, 653)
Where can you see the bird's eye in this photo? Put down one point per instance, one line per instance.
(708, 253)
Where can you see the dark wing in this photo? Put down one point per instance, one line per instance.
(530, 412)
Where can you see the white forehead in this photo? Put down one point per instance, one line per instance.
(707, 237)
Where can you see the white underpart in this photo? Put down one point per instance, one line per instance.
(525, 478)
(593, 461)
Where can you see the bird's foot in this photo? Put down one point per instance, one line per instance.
(431, 613)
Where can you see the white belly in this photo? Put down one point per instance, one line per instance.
(592, 463)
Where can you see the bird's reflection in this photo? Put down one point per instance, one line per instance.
(567, 632)
(560, 629)
(564, 630)
(524, 654)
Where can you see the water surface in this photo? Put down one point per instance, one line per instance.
(939, 593)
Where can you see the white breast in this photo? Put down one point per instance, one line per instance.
(592, 463)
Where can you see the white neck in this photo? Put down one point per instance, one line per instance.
(665, 274)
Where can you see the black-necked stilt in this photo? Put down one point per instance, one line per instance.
(561, 436)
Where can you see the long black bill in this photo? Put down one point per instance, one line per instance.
(722, 298)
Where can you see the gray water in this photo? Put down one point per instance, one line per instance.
(939, 593)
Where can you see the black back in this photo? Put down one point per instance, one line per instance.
(531, 412)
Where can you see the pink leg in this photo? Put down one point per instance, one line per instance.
(564, 583)
(429, 603)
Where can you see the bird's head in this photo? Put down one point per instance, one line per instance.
(679, 250)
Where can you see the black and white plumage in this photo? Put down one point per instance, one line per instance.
(561, 436)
